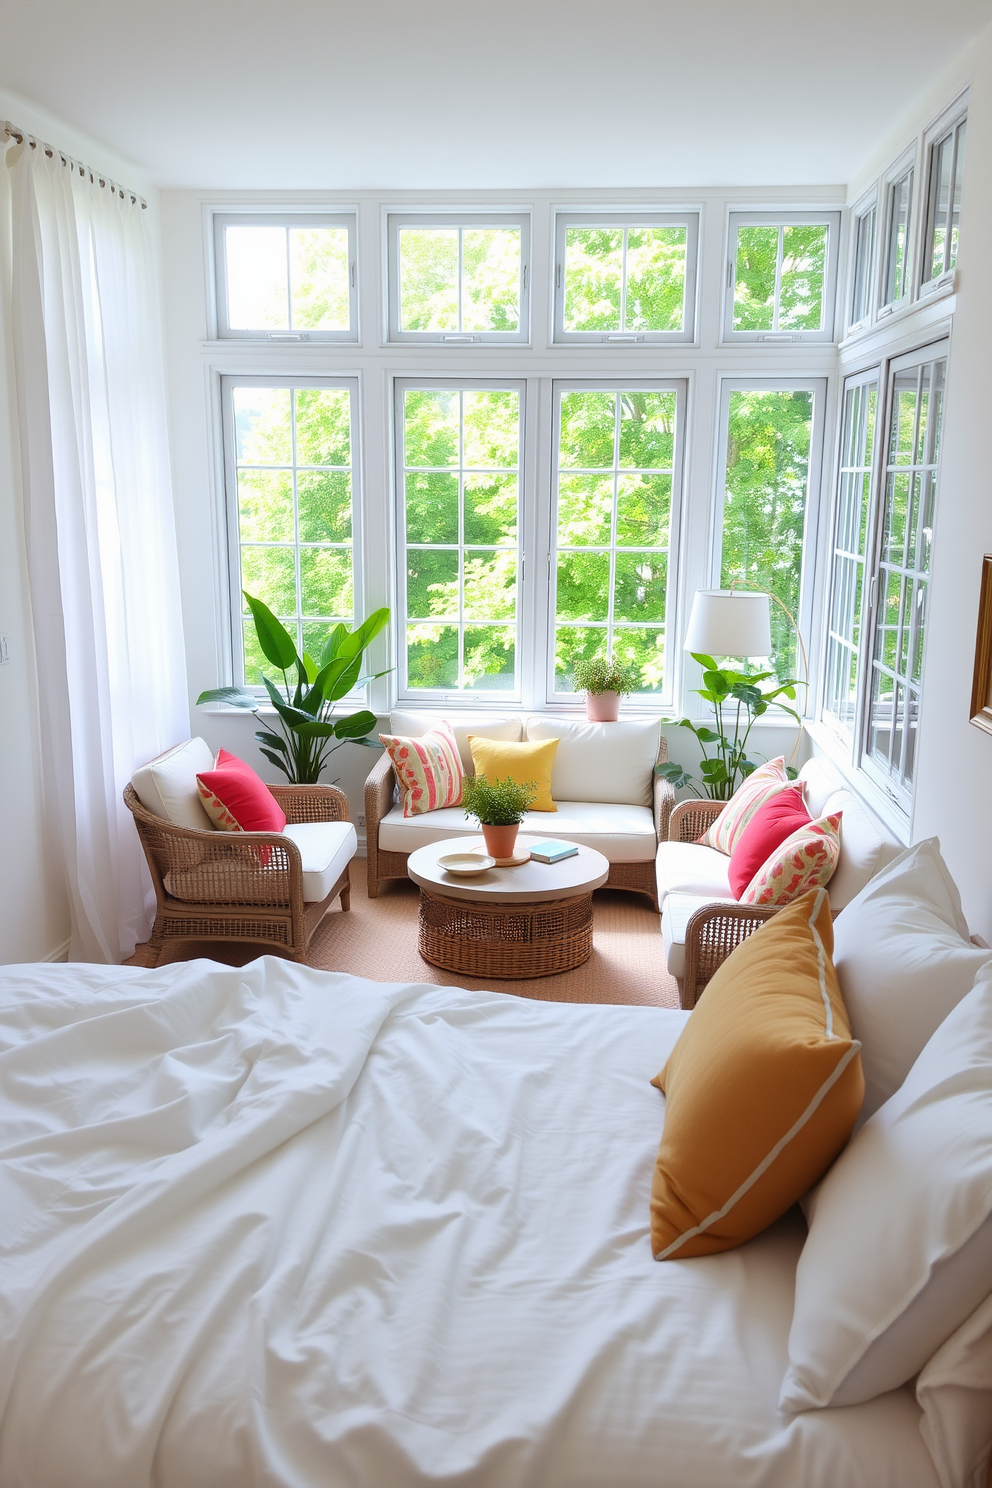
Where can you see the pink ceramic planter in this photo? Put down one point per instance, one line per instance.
(603, 707)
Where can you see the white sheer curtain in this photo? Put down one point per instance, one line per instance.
(99, 526)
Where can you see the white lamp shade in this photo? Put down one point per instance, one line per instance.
(726, 622)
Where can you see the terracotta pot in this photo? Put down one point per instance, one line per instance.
(603, 707)
(500, 841)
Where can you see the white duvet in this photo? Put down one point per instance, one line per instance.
(273, 1226)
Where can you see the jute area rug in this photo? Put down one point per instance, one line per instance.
(377, 938)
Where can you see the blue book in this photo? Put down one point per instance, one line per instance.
(552, 851)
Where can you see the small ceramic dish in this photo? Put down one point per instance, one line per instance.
(466, 863)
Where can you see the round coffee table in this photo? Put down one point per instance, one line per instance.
(532, 920)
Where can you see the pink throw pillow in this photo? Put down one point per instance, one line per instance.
(805, 860)
(768, 828)
(238, 800)
(428, 769)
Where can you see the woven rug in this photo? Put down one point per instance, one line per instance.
(377, 938)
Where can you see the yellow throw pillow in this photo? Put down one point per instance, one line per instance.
(496, 759)
(762, 1089)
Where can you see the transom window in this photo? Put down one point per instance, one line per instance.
(944, 202)
(289, 447)
(459, 464)
(286, 277)
(854, 504)
(898, 226)
(458, 279)
(863, 264)
(617, 453)
(625, 277)
(781, 276)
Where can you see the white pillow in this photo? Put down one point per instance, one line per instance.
(899, 1251)
(954, 1392)
(167, 786)
(612, 763)
(903, 961)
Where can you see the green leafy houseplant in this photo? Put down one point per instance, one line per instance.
(737, 701)
(496, 803)
(304, 706)
(597, 675)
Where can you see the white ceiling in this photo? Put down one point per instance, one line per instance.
(460, 93)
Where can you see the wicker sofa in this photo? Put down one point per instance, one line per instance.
(271, 889)
(701, 922)
(603, 784)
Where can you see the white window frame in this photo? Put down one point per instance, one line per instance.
(868, 206)
(805, 613)
(228, 383)
(303, 219)
(946, 125)
(397, 219)
(648, 218)
(614, 384)
(907, 162)
(429, 697)
(805, 217)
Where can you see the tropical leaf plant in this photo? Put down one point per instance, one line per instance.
(305, 732)
(737, 700)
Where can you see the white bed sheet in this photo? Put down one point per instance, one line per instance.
(274, 1226)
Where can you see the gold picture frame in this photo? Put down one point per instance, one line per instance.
(981, 687)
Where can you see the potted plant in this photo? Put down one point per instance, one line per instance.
(304, 709)
(497, 806)
(605, 683)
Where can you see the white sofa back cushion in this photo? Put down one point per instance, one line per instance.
(608, 762)
(411, 725)
(167, 786)
(864, 847)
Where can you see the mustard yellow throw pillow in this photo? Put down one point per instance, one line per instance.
(497, 759)
(761, 1091)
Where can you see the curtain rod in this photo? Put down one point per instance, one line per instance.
(10, 131)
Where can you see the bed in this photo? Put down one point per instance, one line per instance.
(276, 1226)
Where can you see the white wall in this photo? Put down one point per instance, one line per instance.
(34, 911)
(954, 786)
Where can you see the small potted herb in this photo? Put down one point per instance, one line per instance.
(605, 683)
(497, 806)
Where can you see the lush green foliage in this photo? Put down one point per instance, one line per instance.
(737, 701)
(487, 295)
(262, 296)
(768, 443)
(496, 803)
(780, 295)
(599, 296)
(304, 709)
(599, 675)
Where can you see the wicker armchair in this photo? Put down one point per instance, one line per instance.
(238, 886)
(639, 878)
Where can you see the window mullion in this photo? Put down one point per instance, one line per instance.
(779, 261)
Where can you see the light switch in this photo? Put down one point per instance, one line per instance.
(4, 651)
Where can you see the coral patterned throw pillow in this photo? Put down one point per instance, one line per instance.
(428, 769)
(805, 860)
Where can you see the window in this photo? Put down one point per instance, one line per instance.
(902, 571)
(625, 277)
(289, 278)
(767, 478)
(459, 460)
(944, 203)
(854, 504)
(781, 276)
(898, 226)
(292, 521)
(618, 450)
(458, 279)
(863, 264)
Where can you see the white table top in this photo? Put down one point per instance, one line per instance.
(527, 883)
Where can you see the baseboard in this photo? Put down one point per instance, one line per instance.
(60, 953)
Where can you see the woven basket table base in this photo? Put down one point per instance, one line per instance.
(505, 941)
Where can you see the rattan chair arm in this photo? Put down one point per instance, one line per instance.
(378, 794)
(311, 803)
(712, 933)
(690, 819)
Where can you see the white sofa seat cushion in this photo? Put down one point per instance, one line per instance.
(676, 913)
(690, 868)
(410, 725)
(611, 762)
(167, 786)
(623, 834)
(326, 849)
